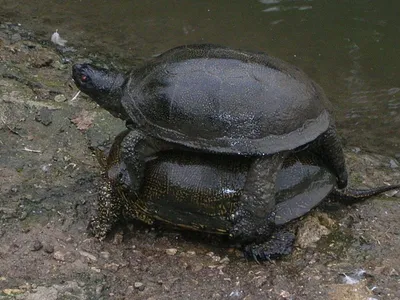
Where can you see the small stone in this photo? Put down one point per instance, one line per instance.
(129, 290)
(60, 98)
(12, 292)
(88, 255)
(225, 260)
(393, 164)
(216, 296)
(171, 251)
(191, 253)
(197, 267)
(118, 238)
(99, 289)
(310, 232)
(259, 281)
(356, 150)
(216, 258)
(48, 248)
(139, 286)
(44, 116)
(16, 37)
(97, 270)
(23, 215)
(112, 267)
(36, 246)
(58, 255)
(105, 255)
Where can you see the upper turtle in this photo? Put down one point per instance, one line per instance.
(214, 98)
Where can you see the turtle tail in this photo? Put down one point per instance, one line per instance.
(349, 195)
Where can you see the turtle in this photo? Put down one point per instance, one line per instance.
(199, 191)
(213, 99)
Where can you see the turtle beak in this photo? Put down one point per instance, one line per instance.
(76, 74)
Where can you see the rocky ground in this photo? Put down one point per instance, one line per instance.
(48, 189)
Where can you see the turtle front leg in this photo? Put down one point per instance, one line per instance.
(108, 210)
(254, 219)
(136, 149)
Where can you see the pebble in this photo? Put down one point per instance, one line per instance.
(139, 286)
(216, 258)
(112, 267)
(356, 150)
(99, 289)
(16, 37)
(12, 292)
(36, 246)
(88, 255)
(44, 116)
(225, 260)
(58, 255)
(105, 255)
(393, 164)
(197, 267)
(60, 98)
(259, 281)
(216, 296)
(118, 238)
(97, 270)
(310, 232)
(171, 251)
(48, 248)
(23, 215)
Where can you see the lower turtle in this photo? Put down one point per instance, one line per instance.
(197, 191)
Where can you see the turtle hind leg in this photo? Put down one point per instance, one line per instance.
(279, 244)
(254, 218)
(330, 150)
(356, 195)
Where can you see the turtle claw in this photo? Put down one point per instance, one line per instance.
(278, 245)
(97, 229)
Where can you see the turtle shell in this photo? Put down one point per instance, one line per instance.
(223, 100)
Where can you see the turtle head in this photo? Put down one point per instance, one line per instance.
(103, 86)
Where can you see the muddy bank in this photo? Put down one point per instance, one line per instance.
(49, 180)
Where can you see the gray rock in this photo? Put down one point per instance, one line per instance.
(310, 232)
(44, 116)
(393, 164)
(36, 246)
(48, 248)
(60, 98)
(139, 285)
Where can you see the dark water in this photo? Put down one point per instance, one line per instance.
(350, 47)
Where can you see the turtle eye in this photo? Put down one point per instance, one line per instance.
(84, 78)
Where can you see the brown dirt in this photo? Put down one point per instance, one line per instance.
(48, 190)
